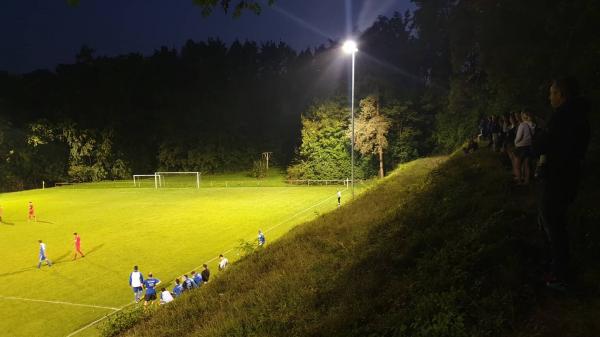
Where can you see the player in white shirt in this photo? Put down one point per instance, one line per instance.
(339, 195)
(136, 280)
(165, 296)
(42, 256)
(223, 262)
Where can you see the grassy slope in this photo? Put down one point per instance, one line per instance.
(440, 248)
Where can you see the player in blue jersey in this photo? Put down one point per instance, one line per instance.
(136, 280)
(150, 283)
(42, 255)
(261, 238)
(178, 289)
(197, 278)
(188, 283)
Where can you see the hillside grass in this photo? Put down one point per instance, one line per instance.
(167, 231)
(441, 247)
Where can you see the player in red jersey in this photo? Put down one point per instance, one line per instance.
(77, 241)
(31, 213)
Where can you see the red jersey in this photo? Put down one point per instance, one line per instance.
(77, 242)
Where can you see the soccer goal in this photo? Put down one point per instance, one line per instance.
(145, 180)
(178, 179)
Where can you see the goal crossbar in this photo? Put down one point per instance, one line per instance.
(161, 178)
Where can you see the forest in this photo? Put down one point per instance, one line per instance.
(424, 79)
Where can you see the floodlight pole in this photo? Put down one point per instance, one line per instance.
(352, 118)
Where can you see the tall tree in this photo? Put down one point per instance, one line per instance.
(371, 129)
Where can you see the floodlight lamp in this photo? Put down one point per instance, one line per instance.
(350, 47)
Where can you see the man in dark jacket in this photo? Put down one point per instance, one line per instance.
(562, 152)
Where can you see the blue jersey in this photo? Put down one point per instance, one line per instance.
(189, 284)
(261, 239)
(198, 279)
(150, 283)
(177, 290)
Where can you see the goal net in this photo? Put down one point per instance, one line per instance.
(178, 179)
(145, 180)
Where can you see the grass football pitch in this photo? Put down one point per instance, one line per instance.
(167, 231)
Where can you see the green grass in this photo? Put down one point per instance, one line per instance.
(166, 231)
(439, 248)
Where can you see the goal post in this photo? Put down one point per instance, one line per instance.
(137, 179)
(178, 179)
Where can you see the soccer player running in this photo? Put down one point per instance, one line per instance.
(149, 284)
(43, 256)
(136, 279)
(77, 241)
(31, 212)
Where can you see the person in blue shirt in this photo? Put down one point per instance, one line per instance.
(150, 283)
(261, 238)
(178, 289)
(197, 279)
(188, 283)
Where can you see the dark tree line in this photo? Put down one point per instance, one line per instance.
(215, 107)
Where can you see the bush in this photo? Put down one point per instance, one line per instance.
(122, 320)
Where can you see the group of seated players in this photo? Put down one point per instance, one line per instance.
(187, 283)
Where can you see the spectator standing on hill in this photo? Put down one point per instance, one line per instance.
(197, 278)
(31, 212)
(523, 151)
(77, 242)
(136, 280)
(495, 132)
(150, 283)
(165, 296)
(223, 262)
(562, 152)
(205, 273)
(177, 289)
(42, 255)
(261, 238)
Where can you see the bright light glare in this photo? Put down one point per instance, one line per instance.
(349, 47)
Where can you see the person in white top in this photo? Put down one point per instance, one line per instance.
(42, 255)
(223, 262)
(136, 279)
(165, 296)
(523, 150)
(339, 196)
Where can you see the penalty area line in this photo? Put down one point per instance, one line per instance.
(57, 302)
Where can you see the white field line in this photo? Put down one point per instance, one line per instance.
(57, 302)
(99, 319)
(207, 262)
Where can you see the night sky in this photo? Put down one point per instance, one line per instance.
(38, 34)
